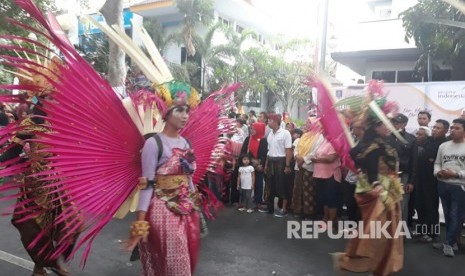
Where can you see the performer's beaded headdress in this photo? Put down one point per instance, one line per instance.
(176, 93)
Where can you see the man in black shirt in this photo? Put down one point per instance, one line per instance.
(407, 161)
(426, 189)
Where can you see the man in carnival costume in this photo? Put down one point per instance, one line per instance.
(35, 208)
(167, 214)
(378, 192)
(97, 163)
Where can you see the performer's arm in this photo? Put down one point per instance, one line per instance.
(149, 165)
(149, 160)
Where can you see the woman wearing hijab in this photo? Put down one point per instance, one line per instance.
(257, 147)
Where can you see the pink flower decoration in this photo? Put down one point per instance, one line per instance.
(390, 108)
(183, 190)
(181, 97)
(375, 88)
(185, 206)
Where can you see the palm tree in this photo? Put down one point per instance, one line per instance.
(159, 36)
(212, 55)
(196, 12)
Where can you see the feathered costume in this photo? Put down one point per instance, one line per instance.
(92, 146)
(376, 162)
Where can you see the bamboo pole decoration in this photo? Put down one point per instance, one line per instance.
(157, 59)
(142, 61)
(380, 114)
(17, 74)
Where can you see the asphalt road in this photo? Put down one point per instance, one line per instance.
(237, 244)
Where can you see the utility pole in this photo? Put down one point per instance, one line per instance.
(324, 31)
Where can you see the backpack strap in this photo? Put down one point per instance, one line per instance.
(188, 142)
(159, 145)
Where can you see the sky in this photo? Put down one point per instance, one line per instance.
(299, 17)
(296, 18)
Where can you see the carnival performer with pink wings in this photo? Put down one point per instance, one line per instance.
(378, 189)
(92, 148)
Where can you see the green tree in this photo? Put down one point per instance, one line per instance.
(276, 73)
(96, 51)
(196, 12)
(8, 9)
(424, 23)
(213, 55)
(158, 34)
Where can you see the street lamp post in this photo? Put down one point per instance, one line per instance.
(324, 31)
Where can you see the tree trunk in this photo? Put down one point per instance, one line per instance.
(112, 10)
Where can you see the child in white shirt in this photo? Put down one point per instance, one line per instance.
(245, 182)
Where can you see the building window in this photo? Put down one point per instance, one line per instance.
(381, 9)
(408, 76)
(383, 12)
(239, 29)
(387, 76)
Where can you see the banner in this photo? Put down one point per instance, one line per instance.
(444, 100)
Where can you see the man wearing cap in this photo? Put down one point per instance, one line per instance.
(407, 160)
(278, 163)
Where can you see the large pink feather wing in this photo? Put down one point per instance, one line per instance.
(206, 130)
(95, 145)
(334, 130)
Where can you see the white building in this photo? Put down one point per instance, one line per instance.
(375, 46)
(240, 15)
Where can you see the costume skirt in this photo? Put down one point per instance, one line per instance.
(173, 243)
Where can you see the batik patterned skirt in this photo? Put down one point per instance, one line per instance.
(173, 243)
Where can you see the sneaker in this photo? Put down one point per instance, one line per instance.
(241, 209)
(426, 238)
(438, 245)
(448, 251)
(280, 213)
(265, 210)
(249, 211)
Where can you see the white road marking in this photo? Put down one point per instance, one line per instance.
(12, 259)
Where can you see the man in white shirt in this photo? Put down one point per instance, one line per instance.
(449, 168)
(277, 164)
